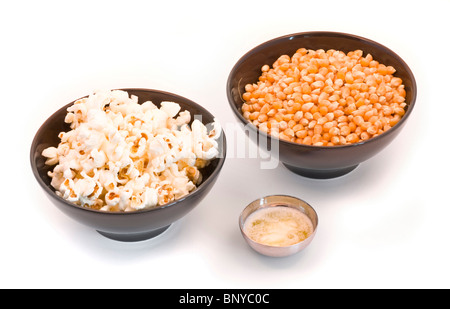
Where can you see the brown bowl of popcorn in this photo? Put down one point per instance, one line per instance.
(322, 102)
(128, 162)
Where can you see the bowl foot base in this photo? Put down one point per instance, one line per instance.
(134, 236)
(320, 174)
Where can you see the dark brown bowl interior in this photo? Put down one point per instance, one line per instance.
(129, 226)
(318, 161)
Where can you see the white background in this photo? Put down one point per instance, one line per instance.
(385, 225)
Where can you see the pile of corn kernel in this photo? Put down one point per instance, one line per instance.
(325, 98)
(124, 156)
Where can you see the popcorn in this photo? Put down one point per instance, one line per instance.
(51, 153)
(123, 156)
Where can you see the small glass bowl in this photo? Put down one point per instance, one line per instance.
(274, 201)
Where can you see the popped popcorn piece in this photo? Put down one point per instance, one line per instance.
(123, 156)
(51, 153)
(170, 108)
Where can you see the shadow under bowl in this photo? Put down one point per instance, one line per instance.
(125, 226)
(319, 162)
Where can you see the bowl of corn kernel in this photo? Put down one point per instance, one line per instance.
(128, 162)
(328, 101)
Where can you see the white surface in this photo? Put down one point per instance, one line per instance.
(385, 225)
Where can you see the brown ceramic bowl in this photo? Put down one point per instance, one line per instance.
(317, 161)
(125, 226)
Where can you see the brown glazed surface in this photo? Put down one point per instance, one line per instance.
(129, 226)
(319, 161)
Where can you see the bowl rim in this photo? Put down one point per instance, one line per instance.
(195, 192)
(291, 36)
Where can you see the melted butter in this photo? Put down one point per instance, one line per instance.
(278, 226)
